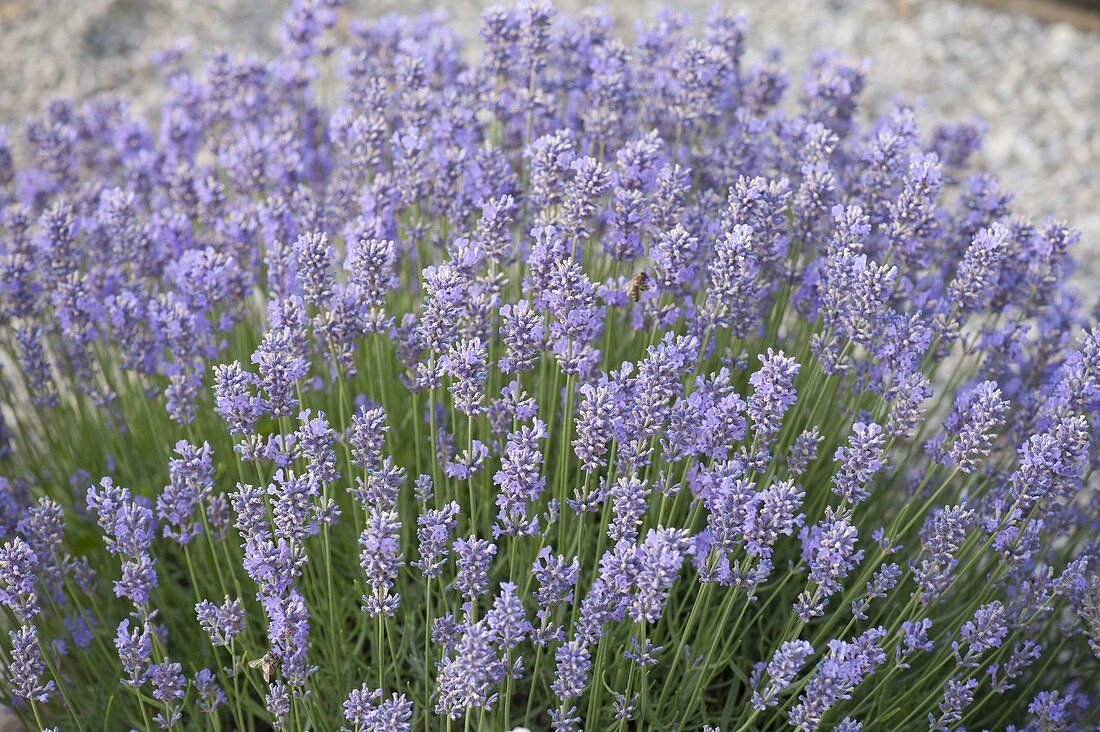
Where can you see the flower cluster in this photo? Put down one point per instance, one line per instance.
(584, 383)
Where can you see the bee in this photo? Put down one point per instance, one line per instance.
(639, 283)
(266, 664)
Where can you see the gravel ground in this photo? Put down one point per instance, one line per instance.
(1034, 83)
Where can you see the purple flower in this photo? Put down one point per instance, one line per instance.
(252, 518)
(985, 631)
(590, 180)
(547, 253)
(859, 461)
(978, 273)
(1051, 709)
(708, 421)
(907, 397)
(914, 638)
(294, 509)
(18, 573)
(675, 257)
(445, 288)
(912, 219)
(466, 363)
(26, 667)
(129, 525)
(621, 229)
(570, 298)
(191, 478)
(1050, 464)
(830, 88)
(1078, 382)
(223, 623)
(468, 463)
(424, 489)
(1023, 655)
(368, 712)
(315, 268)
(288, 632)
(316, 441)
(853, 291)
(445, 632)
(492, 235)
(368, 436)
(599, 407)
(533, 35)
(43, 526)
(130, 529)
(760, 204)
(474, 556)
(522, 332)
(644, 654)
(610, 593)
(816, 193)
(277, 702)
(36, 367)
(942, 536)
(434, 534)
(234, 397)
(507, 618)
(550, 158)
(273, 565)
(733, 299)
(625, 221)
(773, 393)
(210, 693)
(954, 143)
(830, 549)
(660, 559)
(729, 497)
(79, 626)
(803, 451)
(169, 686)
(883, 580)
(134, 650)
(371, 265)
(281, 364)
(628, 498)
(520, 481)
(774, 513)
(971, 427)
(837, 674)
(572, 663)
(467, 677)
(957, 696)
(381, 560)
(555, 577)
(138, 580)
(657, 383)
(781, 670)
(14, 495)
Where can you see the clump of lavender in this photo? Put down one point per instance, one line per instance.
(594, 383)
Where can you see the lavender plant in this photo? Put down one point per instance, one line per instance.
(589, 384)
